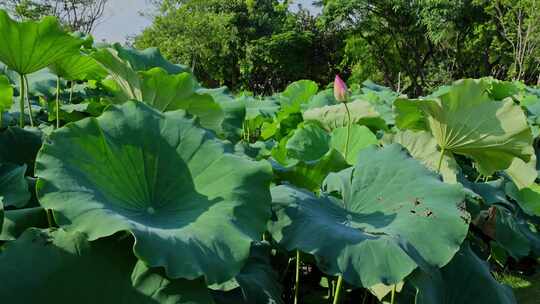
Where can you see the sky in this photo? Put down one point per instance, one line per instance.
(122, 19)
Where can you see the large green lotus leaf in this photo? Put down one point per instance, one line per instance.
(360, 138)
(466, 121)
(260, 108)
(234, 114)
(297, 94)
(192, 206)
(53, 266)
(491, 192)
(321, 99)
(6, 94)
(125, 77)
(173, 92)
(78, 67)
(335, 116)
(310, 174)
(163, 91)
(20, 146)
(377, 232)
(523, 174)
(30, 46)
(409, 115)
(142, 60)
(256, 283)
(13, 185)
(466, 279)
(423, 146)
(527, 198)
(18, 220)
(308, 143)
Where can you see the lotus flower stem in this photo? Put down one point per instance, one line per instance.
(28, 102)
(440, 161)
(338, 289)
(297, 277)
(348, 129)
(21, 102)
(57, 102)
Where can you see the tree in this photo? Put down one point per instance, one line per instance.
(258, 45)
(519, 25)
(76, 15)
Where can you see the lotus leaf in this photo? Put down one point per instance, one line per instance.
(66, 268)
(527, 198)
(20, 146)
(465, 278)
(192, 206)
(297, 94)
(18, 220)
(163, 91)
(6, 95)
(422, 146)
(256, 283)
(31, 46)
(311, 174)
(13, 186)
(360, 138)
(523, 174)
(78, 67)
(335, 116)
(143, 60)
(310, 142)
(464, 120)
(377, 232)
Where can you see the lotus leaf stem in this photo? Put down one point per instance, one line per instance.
(440, 161)
(348, 129)
(28, 102)
(21, 102)
(57, 102)
(393, 296)
(338, 290)
(297, 277)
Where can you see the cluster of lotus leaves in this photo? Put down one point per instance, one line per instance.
(375, 222)
(192, 206)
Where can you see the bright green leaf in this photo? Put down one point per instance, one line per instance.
(422, 146)
(360, 138)
(29, 46)
(192, 206)
(335, 116)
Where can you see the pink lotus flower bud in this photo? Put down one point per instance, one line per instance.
(340, 89)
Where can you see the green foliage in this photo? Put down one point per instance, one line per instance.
(387, 200)
(171, 181)
(34, 45)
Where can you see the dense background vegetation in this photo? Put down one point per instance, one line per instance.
(410, 46)
(263, 45)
